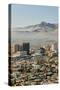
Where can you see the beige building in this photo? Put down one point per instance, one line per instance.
(12, 49)
(54, 47)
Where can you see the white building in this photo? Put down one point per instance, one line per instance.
(54, 47)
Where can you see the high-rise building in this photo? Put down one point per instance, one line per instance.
(54, 47)
(18, 48)
(26, 47)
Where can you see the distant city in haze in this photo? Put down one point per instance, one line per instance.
(25, 15)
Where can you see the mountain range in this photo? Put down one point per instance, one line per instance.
(42, 27)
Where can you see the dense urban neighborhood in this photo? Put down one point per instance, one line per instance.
(34, 66)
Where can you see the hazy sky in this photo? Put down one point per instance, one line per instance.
(24, 15)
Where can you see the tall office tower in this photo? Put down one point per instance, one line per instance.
(26, 47)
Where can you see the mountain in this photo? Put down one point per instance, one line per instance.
(42, 27)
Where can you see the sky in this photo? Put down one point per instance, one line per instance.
(24, 15)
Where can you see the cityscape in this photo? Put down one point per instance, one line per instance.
(33, 50)
(34, 67)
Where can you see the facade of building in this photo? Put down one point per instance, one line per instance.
(54, 47)
(15, 48)
(26, 47)
(18, 48)
(12, 49)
